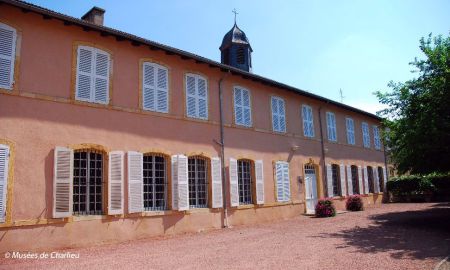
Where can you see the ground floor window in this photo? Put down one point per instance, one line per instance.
(155, 182)
(88, 183)
(381, 178)
(370, 179)
(335, 180)
(355, 182)
(245, 181)
(198, 182)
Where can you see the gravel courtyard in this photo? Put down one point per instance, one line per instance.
(393, 236)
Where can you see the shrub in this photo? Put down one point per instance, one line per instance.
(325, 208)
(354, 203)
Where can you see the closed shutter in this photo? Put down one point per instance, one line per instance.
(85, 72)
(360, 181)
(62, 182)
(191, 96)
(234, 184)
(343, 186)
(330, 181)
(366, 181)
(308, 126)
(155, 88)
(4, 168)
(349, 180)
(238, 108)
(376, 181)
(148, 87)
(216, 172)
(202, 98)
(278, 114)
(247, 112)
(385, 179)
(282, 115)
(135, 182)
(259, 168)
(101, 78)
(8, 37)
(196, 96)
(183, 183)
(162, 94)
(275, 117)
(115, 183)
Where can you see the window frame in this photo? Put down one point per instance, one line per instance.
(13, 65)
(277, 114)
(336, 180)
(166, 181)
(207, 182)
(196, 96)
(331, 127)
(366, 134)
(242, 106)
(156, 66)
(308, 122)
(251, 185)
(355, 179)
(350, 130)
(370, 179)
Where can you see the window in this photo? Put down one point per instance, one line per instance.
(366, 135)
(335, 180)
(308, 123)
(155, 182)
(198, 182)
(4, 168)
(278, 114)
(355, 179)
(381, 178)
(245, 181)
(8, 36)
(283, 185)
(370, 179)
(196, 97)
(376, 138)
(88, 183)
(350, 130)
(93, 68)
(155, 86)
(242, 107)
(331, 127)
(240, 55)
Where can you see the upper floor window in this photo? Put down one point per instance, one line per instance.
(155, 87)
(8, 37)
(278, 114)
(242, 107)
(308, 123)
(366, 135)
(376, 138)
(350, 130)
(93, 68)
(196, 96)
(331, 127)
(283, 185)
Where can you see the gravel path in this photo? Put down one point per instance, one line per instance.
(393, 236)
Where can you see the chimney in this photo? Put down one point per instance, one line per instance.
(94, 15)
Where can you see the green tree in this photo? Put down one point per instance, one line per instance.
(418, 112)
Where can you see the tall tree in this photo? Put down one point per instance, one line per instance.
(418, 112)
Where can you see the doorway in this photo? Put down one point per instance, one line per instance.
(310, 188)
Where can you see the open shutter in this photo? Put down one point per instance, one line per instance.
(234, 186)
(385, 179)
(115, 183)
(62, 182)
(4, 166)
(366, 181)
(148, 87)
(135, 182)
(162, 90)
(101, 77)
(85, 73)
(376, 180)
(259, 168)
(191, 93)
(279, 181)
(183, 183)
(329, 181)
(360, 181)
(174, 170)
(216, 172)
(286, 182)
(349, 180)
(7, 55)
(343, 186)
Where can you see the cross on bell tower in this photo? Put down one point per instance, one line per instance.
(235, 13)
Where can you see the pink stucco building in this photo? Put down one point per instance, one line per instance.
(108, 137)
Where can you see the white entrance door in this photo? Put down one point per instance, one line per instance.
(310, 189)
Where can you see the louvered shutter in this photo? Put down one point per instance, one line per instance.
(376, 181)
(360, 181)
(162, 95)
(115, 183)
(4, 167)
(191, 99)
(85, 72)
(234, 183)
(62, 182)
(238, 108)
(8, 37)
(135, 182)
(101, 77)
(259, 168)
(366, 181)
(279, 181)
(305, 121)
(286, 182)
(343, 186)
(183, 183)
(385, 179)
(216, 172)
(349, 180)
(174, 170)
(282, 115)
(330, 181)
(247, 117)
(275, 118)
(149, 87)
(311, 122)
(202, 98)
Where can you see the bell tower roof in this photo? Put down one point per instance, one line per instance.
(235, 36)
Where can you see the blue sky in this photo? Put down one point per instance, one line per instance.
(317, 46)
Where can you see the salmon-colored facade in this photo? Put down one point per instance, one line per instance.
(41, 113)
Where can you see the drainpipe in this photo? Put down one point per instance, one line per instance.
(323, 152)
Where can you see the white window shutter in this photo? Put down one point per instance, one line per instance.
(275, 117)
(135, 182)
(376, 181)
(360, 181)
(115, 183)
(8, 36)
(202, 90)
(330, 181)
(279, 181)
(4, 168)
(349, 180)
(282, 115)
(162, 94)
(385, 179)
(148, 87)
(85, 73)
(183, 183)
(234, 184)
(238, 108)
(286, 182)
(247, 111)
(62, 182)
(101, 77)
(191, 96)
(216, 173)
(342, 174)
(259, 172)
(366, 181)
(174, 170)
